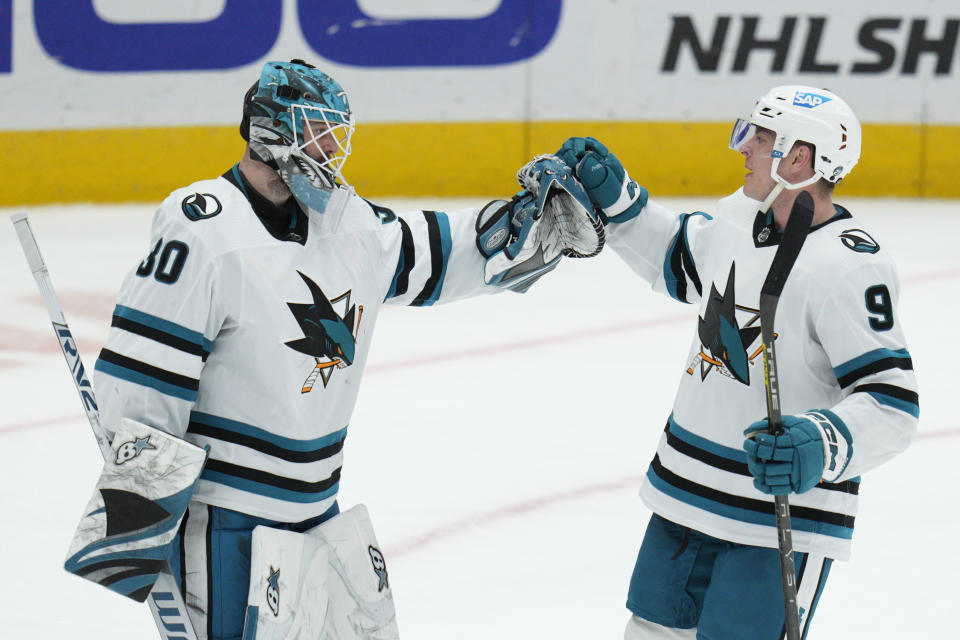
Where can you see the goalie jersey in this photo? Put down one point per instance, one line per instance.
(840, 347)
(252, 339)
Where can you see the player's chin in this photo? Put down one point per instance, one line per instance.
(754, 188)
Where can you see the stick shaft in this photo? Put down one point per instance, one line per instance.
(795, 234)
(165, 600)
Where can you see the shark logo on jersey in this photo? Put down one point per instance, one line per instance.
(724, 344)
(130, 450)
(379, 567)
(328, 336)
(273, 591)
(198, 206)
(859, 240)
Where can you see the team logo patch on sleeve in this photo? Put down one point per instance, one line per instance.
(199, 206)
(859, 240)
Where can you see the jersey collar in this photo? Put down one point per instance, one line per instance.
(766, 234)
(286, 222)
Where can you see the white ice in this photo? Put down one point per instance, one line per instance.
(498, 442)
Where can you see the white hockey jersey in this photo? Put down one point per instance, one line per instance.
(253, 342)
(840, 347)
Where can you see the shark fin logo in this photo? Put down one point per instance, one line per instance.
(130, 450)
(725, 342)
(329, 337)
(273, 591)
(199, 206)
(859, 240)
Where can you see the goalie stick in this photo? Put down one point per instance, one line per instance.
(792, 241)
(165, 600)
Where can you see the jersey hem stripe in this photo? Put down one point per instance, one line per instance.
(748, 510)
(728, 459)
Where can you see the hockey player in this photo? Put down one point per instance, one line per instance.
(245, 332)
(708, 567)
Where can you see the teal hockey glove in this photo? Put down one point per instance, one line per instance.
(814, 446)
(606, 181)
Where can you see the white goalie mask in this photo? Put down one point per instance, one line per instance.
(298, 121)
(797, 113)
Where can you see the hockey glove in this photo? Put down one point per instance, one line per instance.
(519, 245)
(606, 181)
(813, 446)
(565, 205)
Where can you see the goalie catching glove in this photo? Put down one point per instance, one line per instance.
(551, 217)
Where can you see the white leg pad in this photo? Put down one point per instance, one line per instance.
(640, 629)
(329, 583)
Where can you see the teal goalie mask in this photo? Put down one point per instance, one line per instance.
(297, 120)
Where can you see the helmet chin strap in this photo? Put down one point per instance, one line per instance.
(782, 184)
(768, 201)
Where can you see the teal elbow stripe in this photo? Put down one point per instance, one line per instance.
(438, 233)
(144, 380)
(892, 396)
(870, 363)
(165, 326)
(902, 405)
(679, 265)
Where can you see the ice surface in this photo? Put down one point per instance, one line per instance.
(498, 443)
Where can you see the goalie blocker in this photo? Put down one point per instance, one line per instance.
(128, 527)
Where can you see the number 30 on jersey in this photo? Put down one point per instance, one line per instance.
(165, 262)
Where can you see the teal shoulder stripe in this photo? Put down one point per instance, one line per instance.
(868, 358)
(144, 380)
(166, 326)
(262, 434)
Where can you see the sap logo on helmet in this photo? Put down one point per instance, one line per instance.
(809, 100)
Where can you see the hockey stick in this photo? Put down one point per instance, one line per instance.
(165, 600)
(790, 244)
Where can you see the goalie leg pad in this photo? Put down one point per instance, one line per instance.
(130, 522)
(330, 582)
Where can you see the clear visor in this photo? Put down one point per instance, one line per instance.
(324, 136)
(743, 130)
